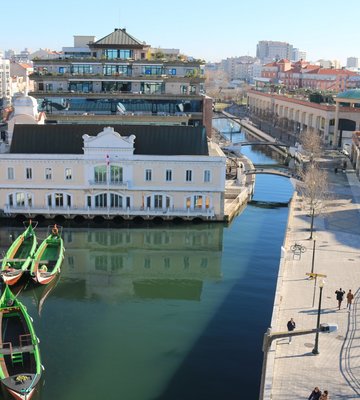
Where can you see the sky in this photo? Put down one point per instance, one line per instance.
(206, 29)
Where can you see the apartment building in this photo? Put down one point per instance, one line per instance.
(119, 79)
(302, 74)
(122, 171)
(5, 83)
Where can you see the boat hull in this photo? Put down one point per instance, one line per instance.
(20, 363)
(19, 256)
(48, 259)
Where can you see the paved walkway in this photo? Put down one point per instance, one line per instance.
(292, 370)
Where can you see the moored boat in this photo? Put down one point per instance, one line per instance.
(48, 257)
(18, 258)
(20, 363)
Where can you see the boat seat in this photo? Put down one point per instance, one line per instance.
(17, 358)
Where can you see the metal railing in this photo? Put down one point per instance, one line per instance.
(208, 213)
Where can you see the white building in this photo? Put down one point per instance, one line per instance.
(123, 171)
(352, 62)
(5, 83)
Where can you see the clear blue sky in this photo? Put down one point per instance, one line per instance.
(208, 29)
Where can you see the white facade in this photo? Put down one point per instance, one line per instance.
(352, 62)
(5, 82)
(109, 180)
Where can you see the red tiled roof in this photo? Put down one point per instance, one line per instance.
(332, 71)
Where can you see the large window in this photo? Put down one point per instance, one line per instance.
(84, 87)
(116, 201)
(81, 69)
(101, 200)
(20, 199)
(150, 88)
(111, 54)
(116, 174)
(59, 200)
(152, 70)
(115, 86)
(117, 70)
(100, 174)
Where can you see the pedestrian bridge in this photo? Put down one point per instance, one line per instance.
(273, 171)
(237, 146)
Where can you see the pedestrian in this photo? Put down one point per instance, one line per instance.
(315, 394)
(291, 326)
(339, 296)
(324, 396)
(349, 298)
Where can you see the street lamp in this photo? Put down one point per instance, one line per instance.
(316, 347)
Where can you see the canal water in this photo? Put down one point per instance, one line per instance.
(161, 312)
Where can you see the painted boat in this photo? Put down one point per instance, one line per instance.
(20, 363)
(18, 258)
(48, 257)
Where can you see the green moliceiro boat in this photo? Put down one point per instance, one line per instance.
(18, 258)
(48, 257)
(20, 364)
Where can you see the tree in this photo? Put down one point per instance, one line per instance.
(314, 190)
(311, 143)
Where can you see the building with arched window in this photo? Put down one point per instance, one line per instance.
(126, 171)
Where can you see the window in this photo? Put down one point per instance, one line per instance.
(59, 200)
(198, 201)
(20, 199)
(116, 200)
(10, 173)
(100, 174)
(168, 175)
(116, 174)
(158, 201)
(101, 200)
(207, 175)
(148, 175)
(48, 173)
(28, 173)
(68, 174)
(188, 177)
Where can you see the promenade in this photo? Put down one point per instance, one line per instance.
(292, 370)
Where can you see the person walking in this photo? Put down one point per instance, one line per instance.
(339, 296)
(324, 396)
(291, 326)
(349, 298)
(315, 394)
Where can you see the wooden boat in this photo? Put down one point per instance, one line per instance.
(48, 257)
(20, 363)
(18, 258)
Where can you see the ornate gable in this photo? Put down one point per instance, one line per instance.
(110, 142)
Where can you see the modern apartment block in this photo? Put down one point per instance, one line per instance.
(5, 83)
(268, 51)
(119, 79)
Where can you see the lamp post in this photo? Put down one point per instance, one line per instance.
(316, 347)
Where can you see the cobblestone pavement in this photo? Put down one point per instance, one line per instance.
(293, 370)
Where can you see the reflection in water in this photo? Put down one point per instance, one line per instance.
(125, 297)
(153, 263)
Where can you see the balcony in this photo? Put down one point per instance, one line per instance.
(110, 212)
(110, 184)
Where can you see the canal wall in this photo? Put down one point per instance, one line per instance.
(269, 358)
